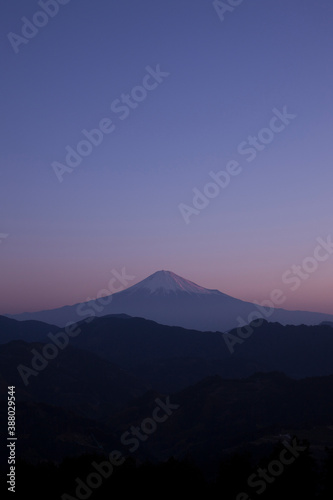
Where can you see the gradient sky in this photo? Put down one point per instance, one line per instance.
(120, 206)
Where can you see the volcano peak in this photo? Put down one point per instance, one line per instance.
(164, 282)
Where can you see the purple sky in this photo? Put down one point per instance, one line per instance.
(120, 206)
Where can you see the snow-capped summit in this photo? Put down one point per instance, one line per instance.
(169, 299)
(165, 282)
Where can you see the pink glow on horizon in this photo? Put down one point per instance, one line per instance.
(51, 289)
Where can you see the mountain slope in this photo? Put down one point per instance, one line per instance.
(217, 414)
(169, 358)
(77, 380)
(172, 300)
(30, 330)
(166, 282)
(140, 345)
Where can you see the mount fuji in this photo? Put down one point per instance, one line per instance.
(169, 299)
(166, 282)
